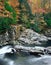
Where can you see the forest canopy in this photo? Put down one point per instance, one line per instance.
(34, 14)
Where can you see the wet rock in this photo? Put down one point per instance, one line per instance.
(37, 50)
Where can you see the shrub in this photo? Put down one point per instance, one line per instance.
(5, 23)
(47, 18)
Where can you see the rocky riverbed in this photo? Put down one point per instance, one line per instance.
(27, 37)
(36, 50)
(31, 48)
(23, 56)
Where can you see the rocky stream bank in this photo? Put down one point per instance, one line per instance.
(28, 41)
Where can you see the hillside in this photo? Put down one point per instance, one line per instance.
(29, 13)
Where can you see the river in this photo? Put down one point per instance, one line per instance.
(24, 60)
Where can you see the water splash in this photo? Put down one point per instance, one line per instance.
(7, 49)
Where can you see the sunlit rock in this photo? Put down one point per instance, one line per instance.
(31, 37)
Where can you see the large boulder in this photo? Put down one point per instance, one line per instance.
(31, 37)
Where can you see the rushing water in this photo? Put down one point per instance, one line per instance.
(24, 60)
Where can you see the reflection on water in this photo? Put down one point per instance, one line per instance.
(25, 60)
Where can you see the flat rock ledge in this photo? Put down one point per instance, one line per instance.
(37, 50)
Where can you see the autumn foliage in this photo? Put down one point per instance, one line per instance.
(29, 13)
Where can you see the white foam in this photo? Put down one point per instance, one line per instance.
(6, 49)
